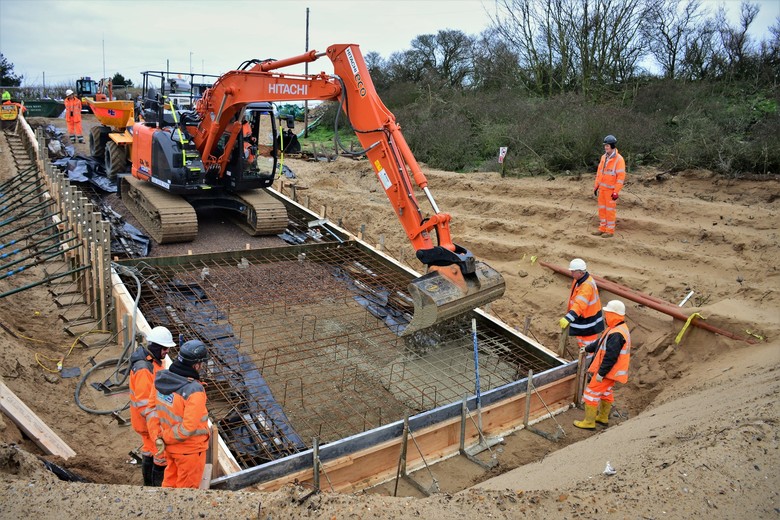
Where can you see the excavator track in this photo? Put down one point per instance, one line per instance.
(166, 217)
(264, 214)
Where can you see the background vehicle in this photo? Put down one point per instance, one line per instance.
(199, 158)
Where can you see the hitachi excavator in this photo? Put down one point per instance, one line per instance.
(215, 156)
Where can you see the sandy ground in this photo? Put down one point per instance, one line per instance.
(697, 426)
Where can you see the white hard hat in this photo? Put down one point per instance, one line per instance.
(615, 306)
(68, 92)
(578, 264)
(161, 336)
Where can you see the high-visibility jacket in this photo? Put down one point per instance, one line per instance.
(611, 173)
(584, 310)
(143, 368)
(181, 410)
(72, 109)
(10, 110)
(613, 354)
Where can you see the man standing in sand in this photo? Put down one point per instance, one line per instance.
(613, 353)
(609, 181)
(583, 316)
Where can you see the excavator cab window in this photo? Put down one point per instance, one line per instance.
(259, 139)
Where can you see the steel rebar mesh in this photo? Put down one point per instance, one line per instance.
(303, 345)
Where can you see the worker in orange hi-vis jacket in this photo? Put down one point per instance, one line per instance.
(583, 313)
(613, 354)
(73, 116)
(181, 410)
(609, 181)
(145, 362)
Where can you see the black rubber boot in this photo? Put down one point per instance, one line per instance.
(147, 465)
(158, 472)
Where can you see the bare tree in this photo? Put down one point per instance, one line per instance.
(567, 44)
(672, 29)
(736, 43)
(496, 66)
(701, 59)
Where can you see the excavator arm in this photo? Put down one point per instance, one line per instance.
(455, 282)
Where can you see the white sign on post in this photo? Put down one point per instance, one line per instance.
(501, 154)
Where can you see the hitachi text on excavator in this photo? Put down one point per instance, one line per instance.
(217, 156)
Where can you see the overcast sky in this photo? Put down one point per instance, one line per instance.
(66, 39)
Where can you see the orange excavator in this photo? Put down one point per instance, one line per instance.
(219, 156)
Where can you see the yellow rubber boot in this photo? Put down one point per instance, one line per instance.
(603, 416)
(589, 422)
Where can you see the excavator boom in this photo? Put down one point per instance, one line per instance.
(455, 282)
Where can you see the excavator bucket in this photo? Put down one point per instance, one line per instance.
(436, 298)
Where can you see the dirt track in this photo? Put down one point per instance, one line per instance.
(706, 443)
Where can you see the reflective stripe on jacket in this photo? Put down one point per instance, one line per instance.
(613, 354)
(181, 410)
(72, 109)
(584, 311)
(611, 173)
(143, 368)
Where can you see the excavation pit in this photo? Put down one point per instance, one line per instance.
(305, 343)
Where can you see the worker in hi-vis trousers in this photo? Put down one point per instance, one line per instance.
(609, 181)
(145, 362)
(613, 353)
(73, 116)
(583, 316)
(181, 410)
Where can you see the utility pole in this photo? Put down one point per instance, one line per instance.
(306, 71)
(190, 62)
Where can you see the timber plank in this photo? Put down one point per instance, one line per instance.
(32, 425)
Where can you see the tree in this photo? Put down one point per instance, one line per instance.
(672, 30)
(119, 81)
(735, 41)
(7, 76)
(574, 44)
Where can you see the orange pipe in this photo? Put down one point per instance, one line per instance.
(650, 301)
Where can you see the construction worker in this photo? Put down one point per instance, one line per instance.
(613, 353)
(250, 142)
(181, 410)
(10, 110)
(73, 116)
(145, 362)
(583, 316)
(609, 181)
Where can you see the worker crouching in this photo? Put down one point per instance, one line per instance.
(181, 410)
(610, 365)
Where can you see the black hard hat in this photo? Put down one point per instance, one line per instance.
(193, 351)
(610, 140)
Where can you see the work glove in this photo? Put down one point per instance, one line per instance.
(160, 447)
(599, 378)
(596, 192)
(563, 322)
(614, 196)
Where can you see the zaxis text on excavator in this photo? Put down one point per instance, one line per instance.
(215, 156)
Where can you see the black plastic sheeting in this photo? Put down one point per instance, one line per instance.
(80, 169)
(258, 420)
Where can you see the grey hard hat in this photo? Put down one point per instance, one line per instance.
(610, 140)
(192, 352)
